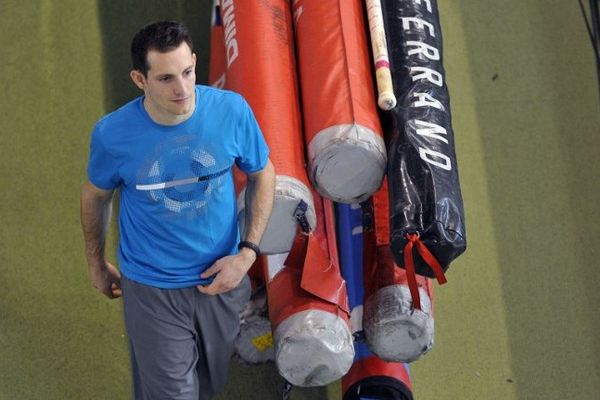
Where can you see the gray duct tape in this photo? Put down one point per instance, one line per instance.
(313, 348)
(394, 331)
(347, 162)
(281, 229)
(254, 344)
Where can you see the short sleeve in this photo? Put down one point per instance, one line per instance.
(253, 151)
(102, 168)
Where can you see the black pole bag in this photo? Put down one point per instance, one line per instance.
(426, 209)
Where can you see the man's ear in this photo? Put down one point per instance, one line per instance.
(194, 58)
(138, 78)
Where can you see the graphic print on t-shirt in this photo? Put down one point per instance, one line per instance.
(181, 175)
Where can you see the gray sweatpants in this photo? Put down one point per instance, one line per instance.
(181, 340)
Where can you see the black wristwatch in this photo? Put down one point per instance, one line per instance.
(249, 245)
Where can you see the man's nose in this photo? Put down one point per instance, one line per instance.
(178, 86)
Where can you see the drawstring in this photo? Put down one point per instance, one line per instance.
(413, 239)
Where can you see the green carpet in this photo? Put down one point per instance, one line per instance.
(519, 316)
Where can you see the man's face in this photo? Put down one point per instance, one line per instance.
(169, 85)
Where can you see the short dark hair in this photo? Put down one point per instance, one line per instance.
(162, 36)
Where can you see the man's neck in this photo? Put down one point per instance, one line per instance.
(164, 118)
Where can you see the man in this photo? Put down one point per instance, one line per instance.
(181, 271)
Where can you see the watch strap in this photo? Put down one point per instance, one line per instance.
(249, 245)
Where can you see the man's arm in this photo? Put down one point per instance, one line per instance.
(260, 191)
(96, 207)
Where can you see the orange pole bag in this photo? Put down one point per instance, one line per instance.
(398, 313)
(346, 151)
(259, 64)
(308, 308)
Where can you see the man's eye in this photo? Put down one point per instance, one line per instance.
(189, 71)
(164, 79)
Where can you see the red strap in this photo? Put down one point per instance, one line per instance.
(414, 240)
(411, 277)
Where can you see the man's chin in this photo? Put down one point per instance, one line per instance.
(182, 111)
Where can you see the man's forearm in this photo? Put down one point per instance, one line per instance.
(95, 218)
(260, 191)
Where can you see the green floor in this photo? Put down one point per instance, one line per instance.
(519, 318)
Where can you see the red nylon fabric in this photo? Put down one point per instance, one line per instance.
(409, 264)
(380, 270)
(374, 366)
(334, 65)
(286, 295)
(264, 72)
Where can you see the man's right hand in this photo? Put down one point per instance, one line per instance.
(96, 205)
(107, 279)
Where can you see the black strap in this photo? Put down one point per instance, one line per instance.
(249, 245)
(285, 390)
(368, 215)
(300, 215)
(359, 336)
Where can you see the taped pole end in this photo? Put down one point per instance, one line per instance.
(386, 101)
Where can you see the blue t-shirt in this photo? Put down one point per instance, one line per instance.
(177, 212)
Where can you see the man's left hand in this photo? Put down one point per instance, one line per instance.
(229, 270)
